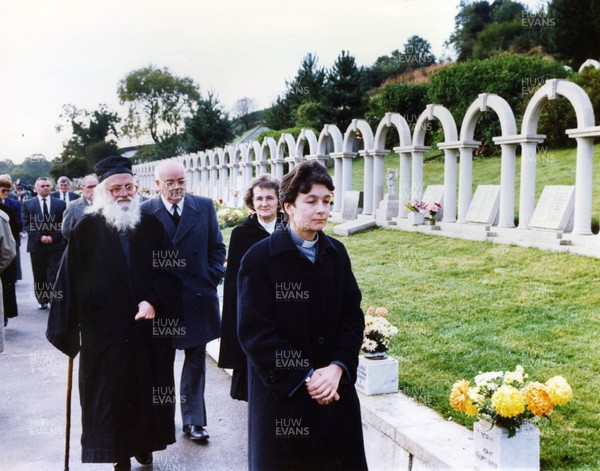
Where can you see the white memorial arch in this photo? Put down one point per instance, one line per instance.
(223, 173)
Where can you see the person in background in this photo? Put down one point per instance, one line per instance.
(262, 199)
(76, 209)
(8, 251)
(301, 326)
(42, 218)
(11, 200)
(112, 305)
(10, 273)
(191, 222)
(63, 193)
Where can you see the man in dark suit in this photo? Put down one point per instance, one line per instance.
(191, 221)
(64, 193)
(42, 218)
(76, 209)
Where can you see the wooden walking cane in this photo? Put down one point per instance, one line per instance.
(68, 427)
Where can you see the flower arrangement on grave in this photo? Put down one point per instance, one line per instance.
(378, 331)
(429, 210)
(229, 217)
(218, 205)
(507, 399)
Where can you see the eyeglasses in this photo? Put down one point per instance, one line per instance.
(172, 183)
(89, 187)
(117, 190)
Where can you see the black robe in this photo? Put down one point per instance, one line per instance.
(126, 379)
(294, 316)
(231, 354)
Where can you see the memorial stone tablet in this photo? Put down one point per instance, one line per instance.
(554, 209)
(350, 205)
(435, 194)
(484, 205)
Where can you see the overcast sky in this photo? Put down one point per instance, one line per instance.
(55, 52)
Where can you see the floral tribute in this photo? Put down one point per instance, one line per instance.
(507, 399)
(229, 217)
(378, 330)
(429, 210)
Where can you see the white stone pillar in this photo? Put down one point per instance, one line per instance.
(368, 183)
(404, 179)
(506, 217)
(582, 222)
(214, 192)
(337, 182)
(205, 182)
(449, 203)
(416, 182)
(528, 177)
(378, 177)
(465, 180)
(347, 172)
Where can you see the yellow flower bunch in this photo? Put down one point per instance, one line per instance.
(507, 399)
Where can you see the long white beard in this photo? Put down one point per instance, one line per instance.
(123, 216)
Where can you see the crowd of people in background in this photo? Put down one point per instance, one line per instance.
(130, 278)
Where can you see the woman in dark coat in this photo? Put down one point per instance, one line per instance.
(301, 326)
(263, 200)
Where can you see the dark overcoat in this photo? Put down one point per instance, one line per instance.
(294, 316)
(242, 238)
(126, 379)
(201, 254)
(231, 355)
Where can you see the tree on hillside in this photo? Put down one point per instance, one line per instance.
(346, 91)
(208, 127)
(416, 53)
(94, 135)
(158, 102)
(483, 29)
(307, 85)
(32, 167)
(574, 30)
(470, 20)
(243, 109)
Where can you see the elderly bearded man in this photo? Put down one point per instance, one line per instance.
(111, 293)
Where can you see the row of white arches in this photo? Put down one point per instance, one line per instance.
(222, 173)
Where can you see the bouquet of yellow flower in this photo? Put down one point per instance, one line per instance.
(507, 399)
(378, 330)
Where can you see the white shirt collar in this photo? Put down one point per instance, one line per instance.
(169, 206)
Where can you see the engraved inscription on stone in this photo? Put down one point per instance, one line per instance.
(485, 205)
(554, 210)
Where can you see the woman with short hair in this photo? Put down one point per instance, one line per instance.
(301, 326)
(262, 199)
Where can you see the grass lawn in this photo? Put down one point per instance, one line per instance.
(463, 307)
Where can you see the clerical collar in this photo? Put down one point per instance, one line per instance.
(268, 226)
(307, 247)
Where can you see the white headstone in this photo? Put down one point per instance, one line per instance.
(485, 205)
(350, 205)
(435, 194)
(554, 210)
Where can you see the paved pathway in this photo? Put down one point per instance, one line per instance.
(33, 378)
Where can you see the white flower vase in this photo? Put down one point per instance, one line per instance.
(494, 450)
(377, 376)
(415, 219)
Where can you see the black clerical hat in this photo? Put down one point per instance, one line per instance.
(111, 166)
